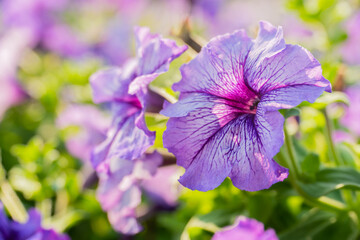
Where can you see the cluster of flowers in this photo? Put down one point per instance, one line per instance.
(226, 122)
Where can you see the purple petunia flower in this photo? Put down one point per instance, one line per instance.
(226, 122)
(120, 161)
(352, 113)
(93, 130)
(31, 230)
(126, 90)
(245, 228)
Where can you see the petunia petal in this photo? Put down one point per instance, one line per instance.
(124, 139)
(218, 68)
(288, 78)
(207, 115)
(119, 189)
(123, 216)
(256, 169)
(28, 229)
(268, 42)
(113, 83)
(154, 55)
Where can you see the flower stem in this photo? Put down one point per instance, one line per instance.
(290, 150)
(323, 202)
(328, 135)
(346, 194)
(185, 35)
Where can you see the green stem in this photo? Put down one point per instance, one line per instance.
(346, 194)
(161, 92)
(12, 202)
(290, 150)
(321, 202)
(328, 135)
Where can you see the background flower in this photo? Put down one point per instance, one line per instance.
(245, 228)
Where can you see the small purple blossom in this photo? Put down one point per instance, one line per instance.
(31, 230)
(352, 112)
(120, 161)
(245, 228)
(126, 90)
(226, 122)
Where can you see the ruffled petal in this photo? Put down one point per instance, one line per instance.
(288, 78)
(123, 217)
(119, 190)
(154, 52)
(125, 140)
(112, 84)
(154, 55)
(218, 68)
(268, 42)
(207, 114)
(260, 139)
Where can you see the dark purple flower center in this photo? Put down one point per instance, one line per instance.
(254, 104)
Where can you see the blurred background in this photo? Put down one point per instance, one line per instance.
(49, 124)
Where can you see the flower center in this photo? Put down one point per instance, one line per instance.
(254, 104)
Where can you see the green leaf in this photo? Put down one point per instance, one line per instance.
(344, 228)
(347, 155)
(328, 98)
(331, 179)
(310, 165)
(267, 201)
(308, 226)
(290, 112)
